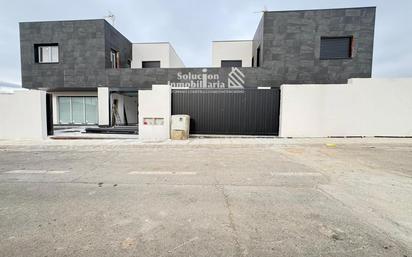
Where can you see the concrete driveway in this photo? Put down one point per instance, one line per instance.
(237, 197)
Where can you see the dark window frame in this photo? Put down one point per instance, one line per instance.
(36, 52)
(350, 47)
(258, 52)
(150, 62)
(116, 53)
(231, 62)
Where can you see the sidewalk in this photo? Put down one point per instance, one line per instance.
(114, 139)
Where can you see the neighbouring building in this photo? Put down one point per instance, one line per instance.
(72, 59)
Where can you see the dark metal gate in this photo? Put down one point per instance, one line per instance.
(224, 111)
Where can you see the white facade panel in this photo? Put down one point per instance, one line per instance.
(162, 52)
(232, 50)
(175, 61)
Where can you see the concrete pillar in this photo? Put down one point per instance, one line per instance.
(155, 109)
(103, 95)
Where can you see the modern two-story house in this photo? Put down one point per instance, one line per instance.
(73, 59)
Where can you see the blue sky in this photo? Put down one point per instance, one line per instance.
(191, 26)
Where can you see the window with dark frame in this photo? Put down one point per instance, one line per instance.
(336, 47)
(151, 64)
(231, 63)
(114, 59)
(46, 53)
(258, 57)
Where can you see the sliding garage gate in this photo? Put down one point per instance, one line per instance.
(222, 111)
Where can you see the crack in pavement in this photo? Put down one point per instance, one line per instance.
(240, 250)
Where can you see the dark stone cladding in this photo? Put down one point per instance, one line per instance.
(84, 52)
(291, 45)
(257, 41)
(289, 40)
(145, 78)
(116, 41)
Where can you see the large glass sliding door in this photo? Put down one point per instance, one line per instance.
(78, 116)
(78, 110)
(90, 104)
(65, 113)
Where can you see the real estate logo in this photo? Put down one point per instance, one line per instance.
(236, 79)
(207, 80)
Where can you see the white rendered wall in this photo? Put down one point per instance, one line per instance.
(103, 106)
(55, 98)
(232, 50)
(162, 52)
(174, 59)
(363, 107)
(23, 115)
(155, 103)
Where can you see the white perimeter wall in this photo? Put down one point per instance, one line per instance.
(162, 52)
(363, 107)
(155, 103)
(232, 50)
(23, 115)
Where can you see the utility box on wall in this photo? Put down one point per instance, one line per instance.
(155, 108)
(180, 127)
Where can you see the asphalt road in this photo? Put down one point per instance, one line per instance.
(206, 200)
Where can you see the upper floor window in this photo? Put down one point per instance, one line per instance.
(151, 64)
(114, 59)
(258, 57)
(231, 63)
(336, 48)
(46, 53)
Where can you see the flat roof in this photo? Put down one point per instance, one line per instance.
(326, 9)
(152, 43)
(63, 20)
(240, 40)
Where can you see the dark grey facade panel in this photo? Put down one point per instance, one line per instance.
(116, 41)
(292, 40)
(258, 42)
(289, 41)
(81, 53)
